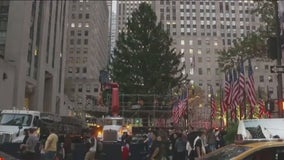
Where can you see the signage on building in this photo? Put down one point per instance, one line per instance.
(277, 69)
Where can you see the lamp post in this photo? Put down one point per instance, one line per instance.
(279, 57)
(209, 99)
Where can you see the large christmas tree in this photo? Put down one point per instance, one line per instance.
(144, 60)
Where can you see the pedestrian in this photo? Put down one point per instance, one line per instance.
(61, 152)
(197, 146)
(163, 154)
(188, 149)
(204, 142)
(26, 133)
(124, 136)
(91, 153)
(67, 147)
(211, 140)
(148, 140)
(125, 151)
(50, 146)
(172, 139)
(155, 147)
(180, 146)
(29, 147)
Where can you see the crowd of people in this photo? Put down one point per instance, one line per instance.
(32, 144)
(182, 145)
(158, 145)
(51, 147)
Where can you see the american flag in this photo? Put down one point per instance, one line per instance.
(235, 88)
(227, 87)
(241, 86)
(222, 103)
(175, 113)
(261, 105)
(175, 117)
(235, 93)
(213, 103)
(182, 105)
(250, 86)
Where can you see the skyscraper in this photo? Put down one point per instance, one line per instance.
(87, 50)
(32, 52)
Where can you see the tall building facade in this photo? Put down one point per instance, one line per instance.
(87, 51)
(32, 54)
(202, 28)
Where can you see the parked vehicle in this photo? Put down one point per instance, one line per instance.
(250, 150)
(256, 139)
(13, 123)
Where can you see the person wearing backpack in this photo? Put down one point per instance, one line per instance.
(197, 146)
(90, 155)
(180, 146)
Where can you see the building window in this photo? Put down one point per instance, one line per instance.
(85, 59)
(199, 42)
(208, 71)
(70, 70)
(86, 33)
(80, 88)
(79, 33)
(261, 78)
(70, 60)
(199, 59)
(217, 72)
(88, 88)
(199, 51)
(182, 42)
(73, 16)
(96, 90)
(78, 41)
(78, 60)
(85, 70)
(72, 41)
(80, 16)
(72, 33)
(200, 71)
(85, 41)
(77, 69)
(87, 16)
(270, 79)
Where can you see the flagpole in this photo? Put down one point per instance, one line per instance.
(244, 102)
(221, 108)
(240, 62)
(244, 97)
(279, 58)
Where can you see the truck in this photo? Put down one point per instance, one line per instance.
(114, 126)
(13, 123)
(261, 128)
(113, 129)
